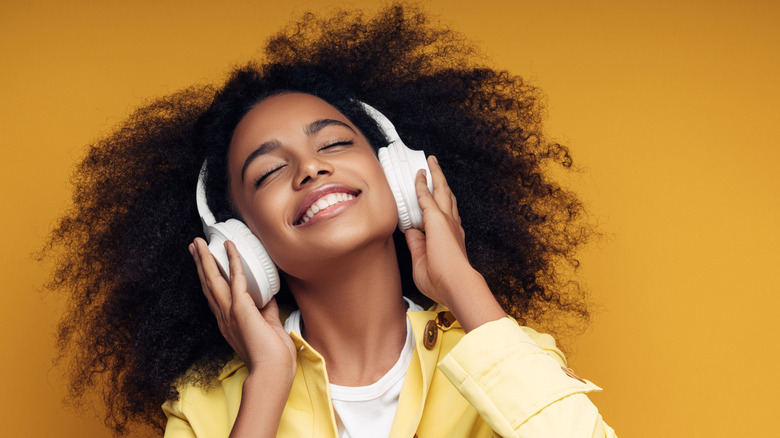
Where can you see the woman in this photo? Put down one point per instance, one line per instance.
(276, 139)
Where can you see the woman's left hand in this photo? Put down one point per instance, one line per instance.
(441, 269)
(438, 253)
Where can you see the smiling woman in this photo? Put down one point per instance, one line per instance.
(291, 152)
(308, 150)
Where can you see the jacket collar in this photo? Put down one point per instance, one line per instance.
(311, 388)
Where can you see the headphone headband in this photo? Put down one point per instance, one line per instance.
(206, 216)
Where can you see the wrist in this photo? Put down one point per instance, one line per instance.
(469, 298)
(275, 379)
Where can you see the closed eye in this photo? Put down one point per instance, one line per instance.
(337, 144)
(265, 176)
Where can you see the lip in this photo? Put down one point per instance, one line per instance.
(316, 194)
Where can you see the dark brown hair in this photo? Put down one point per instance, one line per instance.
(136, 316)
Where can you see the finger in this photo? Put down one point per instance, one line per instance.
(441, 190)
(201, 276)
(199, 268)
(415, 240)
(271, 312)
(237, 277)
(213, 280)
(456, 216)
(454, 210)
(424, 197)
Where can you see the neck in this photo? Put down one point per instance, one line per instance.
(355, 317)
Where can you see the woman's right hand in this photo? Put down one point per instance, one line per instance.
(257, 335)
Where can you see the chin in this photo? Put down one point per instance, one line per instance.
(346, 243)
(356, 236)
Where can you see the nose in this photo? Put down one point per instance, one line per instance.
(310, 168)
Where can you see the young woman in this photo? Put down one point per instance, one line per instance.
(290, 150)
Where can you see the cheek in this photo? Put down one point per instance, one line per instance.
(276, 242)
(384, 209)
(264, 220)
(385, 194)
(388, 202)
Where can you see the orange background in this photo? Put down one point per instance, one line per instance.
(672, 111)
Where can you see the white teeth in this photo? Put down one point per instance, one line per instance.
(323, 203)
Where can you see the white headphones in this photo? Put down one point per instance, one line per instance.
(400, 164)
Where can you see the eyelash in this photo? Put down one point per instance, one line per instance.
(265, 175)
(338, 143)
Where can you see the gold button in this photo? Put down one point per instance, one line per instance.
(431, 333)
(445, 319)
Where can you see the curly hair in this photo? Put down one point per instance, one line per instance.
(136, 316)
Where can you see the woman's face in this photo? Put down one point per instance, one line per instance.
(307, 182)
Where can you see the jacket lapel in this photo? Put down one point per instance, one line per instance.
(418, 378)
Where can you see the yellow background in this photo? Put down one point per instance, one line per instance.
(671, 108)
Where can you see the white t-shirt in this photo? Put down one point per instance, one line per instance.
(368, 411)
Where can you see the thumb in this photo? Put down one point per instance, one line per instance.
(415, 240)
(271, 312)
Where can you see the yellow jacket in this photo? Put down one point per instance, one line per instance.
(500, 379)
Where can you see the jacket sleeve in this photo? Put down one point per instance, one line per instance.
(201, 412)
(177, 425)
(518, 388)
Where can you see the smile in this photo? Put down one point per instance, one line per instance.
(324, 203)
(319, 203)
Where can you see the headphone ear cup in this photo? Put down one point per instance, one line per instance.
(393, 179)
(401, 165)
(262, 277)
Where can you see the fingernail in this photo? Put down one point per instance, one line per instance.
(435, 160)
(191, 247)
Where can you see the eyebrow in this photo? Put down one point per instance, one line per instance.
(272, 145)
(316, 126)
(265, 148)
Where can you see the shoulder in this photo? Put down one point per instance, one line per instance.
(198, 401)
(494, 335)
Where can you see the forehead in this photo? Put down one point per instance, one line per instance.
(282, 114)
(280, 117)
